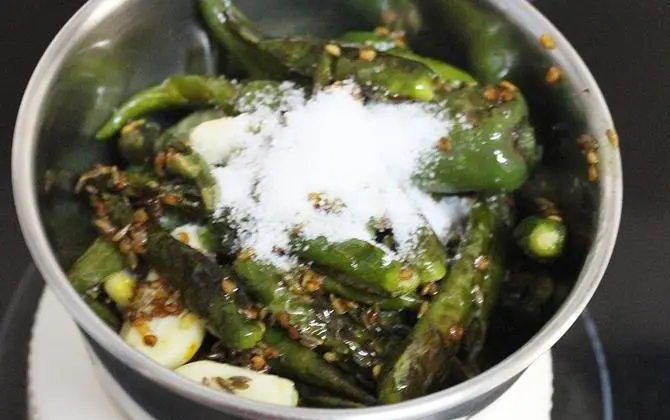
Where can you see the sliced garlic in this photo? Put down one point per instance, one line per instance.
(121, 287)
(250, 384)
(194, 236)
(171, 341)
(217, 139)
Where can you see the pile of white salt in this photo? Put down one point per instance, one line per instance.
(328, 165)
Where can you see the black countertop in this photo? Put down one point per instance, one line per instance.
(627, 46)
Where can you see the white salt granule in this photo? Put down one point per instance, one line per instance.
(271, 98)
(330, 150)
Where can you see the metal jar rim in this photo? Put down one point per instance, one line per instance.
(24, 185)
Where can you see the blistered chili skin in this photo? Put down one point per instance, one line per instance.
(484, 152)
(174, 92)
(296, 311)
(297, 361)
(199, 281)
(362, 260)
(102, 259)
(437, 336)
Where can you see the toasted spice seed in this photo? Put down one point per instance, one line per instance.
(587, 142)
(546, 206)
(367, 54)
(279, 250)
(444, 144)
(239, 382)
(140, 217)
(400, 42)
(339, 305)
(399, 38)
(553, 75)
(307, 276)
(125, 246)
(314, 199)
(613, 137)
(150, 340)
(81, 183)
(171, 199)
(592, 158)
(311, 281)
(547, 42)
(426, 289)
(507, 85)
(142, 326)
(429, 290)
(330, 357)
(423, 309)
(482, 264)
(333, 50)
(271, 352)
(246, 254)
(376, 370)
(224, 384)
(293, 333)
(228, 286)
(159, 164)
(258, 363)
(131, 126)
(491, 94)
(116, 176)
(121, 182)
(456, 332)
(183, 237)
(382, 31)
(406, 274)
(297, 230)
(594, 174)
(105, 226)
(138, 246)
(121, 233)
(173, 309)
(313, 286)
(371, 317)
(555, 218)
(284, 319)
(251, 313)
(507, 95)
